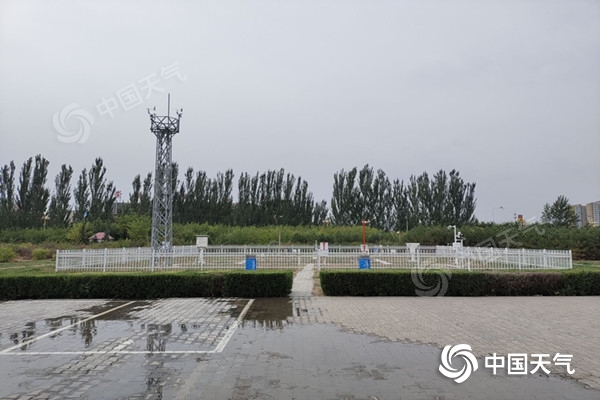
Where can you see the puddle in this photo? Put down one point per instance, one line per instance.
(269, 313)
(268, 356)
(163, 325)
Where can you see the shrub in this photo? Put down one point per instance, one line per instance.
(581, 283)
(258, 283)
(7, 254)
(25, 250)
(79, 232)
(146, 286)
(41, 254)
(462, 283)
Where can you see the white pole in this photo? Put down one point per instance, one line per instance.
(104, 261)
(545, 259)
(570, 260)
(152, 265)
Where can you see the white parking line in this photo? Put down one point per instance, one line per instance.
(233, 327)
(54, 332)
(90, 352)
(119, 349)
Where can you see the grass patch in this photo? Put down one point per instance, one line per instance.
(28, 267)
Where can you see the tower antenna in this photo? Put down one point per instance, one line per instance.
(164, 128)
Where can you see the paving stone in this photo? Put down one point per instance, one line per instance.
(300, 347)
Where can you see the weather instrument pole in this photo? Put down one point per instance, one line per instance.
(164, 128)
(364, 235)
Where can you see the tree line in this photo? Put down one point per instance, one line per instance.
(395, 205)
(273, 197)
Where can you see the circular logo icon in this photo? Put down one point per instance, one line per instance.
(425, 288)
(460, 350)
(73, 112)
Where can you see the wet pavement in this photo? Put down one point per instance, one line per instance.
(302, 347)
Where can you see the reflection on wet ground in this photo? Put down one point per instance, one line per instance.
(174, 325)
(226, 349)
(270, 313)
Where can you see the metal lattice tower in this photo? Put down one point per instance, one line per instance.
(162, 206)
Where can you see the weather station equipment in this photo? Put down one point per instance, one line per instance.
(164, 128)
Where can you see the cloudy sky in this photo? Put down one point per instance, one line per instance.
(506, 92)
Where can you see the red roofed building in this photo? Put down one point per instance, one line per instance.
(100, 237)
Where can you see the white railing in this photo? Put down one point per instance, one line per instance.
(447, 257)
(183, 257)
(292, 257)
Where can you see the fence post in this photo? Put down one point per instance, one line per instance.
(418, 257)
(152, 262)
(520, 253)
(56, 266)
(570, 260)
(83, 259)
(104, 261)
(545, 259)
(469, 255)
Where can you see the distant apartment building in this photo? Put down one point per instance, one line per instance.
(581, 212)
(588, 214)
(593, 213)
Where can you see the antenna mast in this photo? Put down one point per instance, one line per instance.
(164, 128)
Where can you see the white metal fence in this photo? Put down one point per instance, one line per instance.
(337, 257)
(445, 257)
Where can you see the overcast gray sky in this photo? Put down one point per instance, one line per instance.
(506, 92)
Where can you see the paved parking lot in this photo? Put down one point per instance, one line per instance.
(302, 347)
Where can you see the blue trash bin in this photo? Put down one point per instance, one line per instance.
(364, 262)
(250, 262)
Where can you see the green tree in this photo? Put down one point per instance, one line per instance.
(7, 196)
(439, 200)
(140, 200)
(138, 230)
(33, 195)
(559, 213)
(345, 209)
(134, 196)
(320, 213)
(272, 197)
(146, 198)
(59, 210)
(82, 197)
(461, 202)
(102, 193)
(401, 211)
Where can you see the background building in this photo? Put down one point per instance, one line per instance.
(588, 214)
